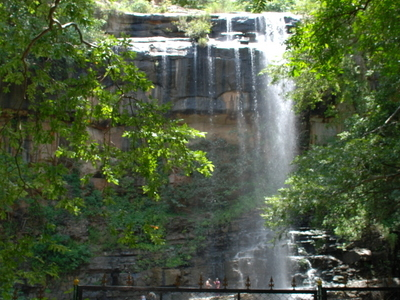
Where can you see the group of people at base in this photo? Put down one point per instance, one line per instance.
(209, 283)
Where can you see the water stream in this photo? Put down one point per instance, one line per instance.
(275, 141)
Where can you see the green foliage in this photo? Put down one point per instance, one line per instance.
(305, 7)
(279, 5)
(59, 253)
(199, 206)
(197, 4)
(137, 221)
(224, 6)
(342, 57)
(196, 27)
(123, 6)
(38, 246)
(165, 6)
(140, 6)
(62, 95)
(272, 5)
(134, 6)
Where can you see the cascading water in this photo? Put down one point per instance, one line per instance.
(274, 140)
(229, 32)
(255, 100)
(240, 101)
(164, 68)
(211, 87)
(280, 120)
(217, 88)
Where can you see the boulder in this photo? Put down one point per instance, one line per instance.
(356, 255)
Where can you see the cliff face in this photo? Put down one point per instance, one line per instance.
(209, 87)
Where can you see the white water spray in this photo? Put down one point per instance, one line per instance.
(275, 140)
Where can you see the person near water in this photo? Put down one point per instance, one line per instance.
(217, 283)
(208, 283)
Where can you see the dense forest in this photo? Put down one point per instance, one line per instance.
(56, 73)
(343, 58)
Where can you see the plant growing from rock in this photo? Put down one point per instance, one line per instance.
(197, 27)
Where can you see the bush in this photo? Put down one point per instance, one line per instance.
(224, 6)
(139, 6)
(278, 5)
(196, 27)
(197, 4)
(60, 252)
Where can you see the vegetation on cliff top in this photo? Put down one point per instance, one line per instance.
(209, 6)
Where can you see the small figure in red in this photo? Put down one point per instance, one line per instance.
(217, 283)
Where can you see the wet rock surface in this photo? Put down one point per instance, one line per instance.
(319, 256)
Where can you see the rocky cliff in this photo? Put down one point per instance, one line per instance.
(218, 81)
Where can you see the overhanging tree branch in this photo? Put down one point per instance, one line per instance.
(52, 21)
(387, 122)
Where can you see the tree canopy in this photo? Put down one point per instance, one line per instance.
(70, 97)
(344, 57)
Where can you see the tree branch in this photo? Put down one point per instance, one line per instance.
(381, 177)
(52, 21)
(392, 116)
(388, 120)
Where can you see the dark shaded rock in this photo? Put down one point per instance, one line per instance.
(356, 255)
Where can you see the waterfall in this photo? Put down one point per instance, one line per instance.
(274, 137)
(211, 82)
(218, 89)
(255, 96)
(229, 35)
(195, 68)
(280, 120)
(240, 102)
(164, 71)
